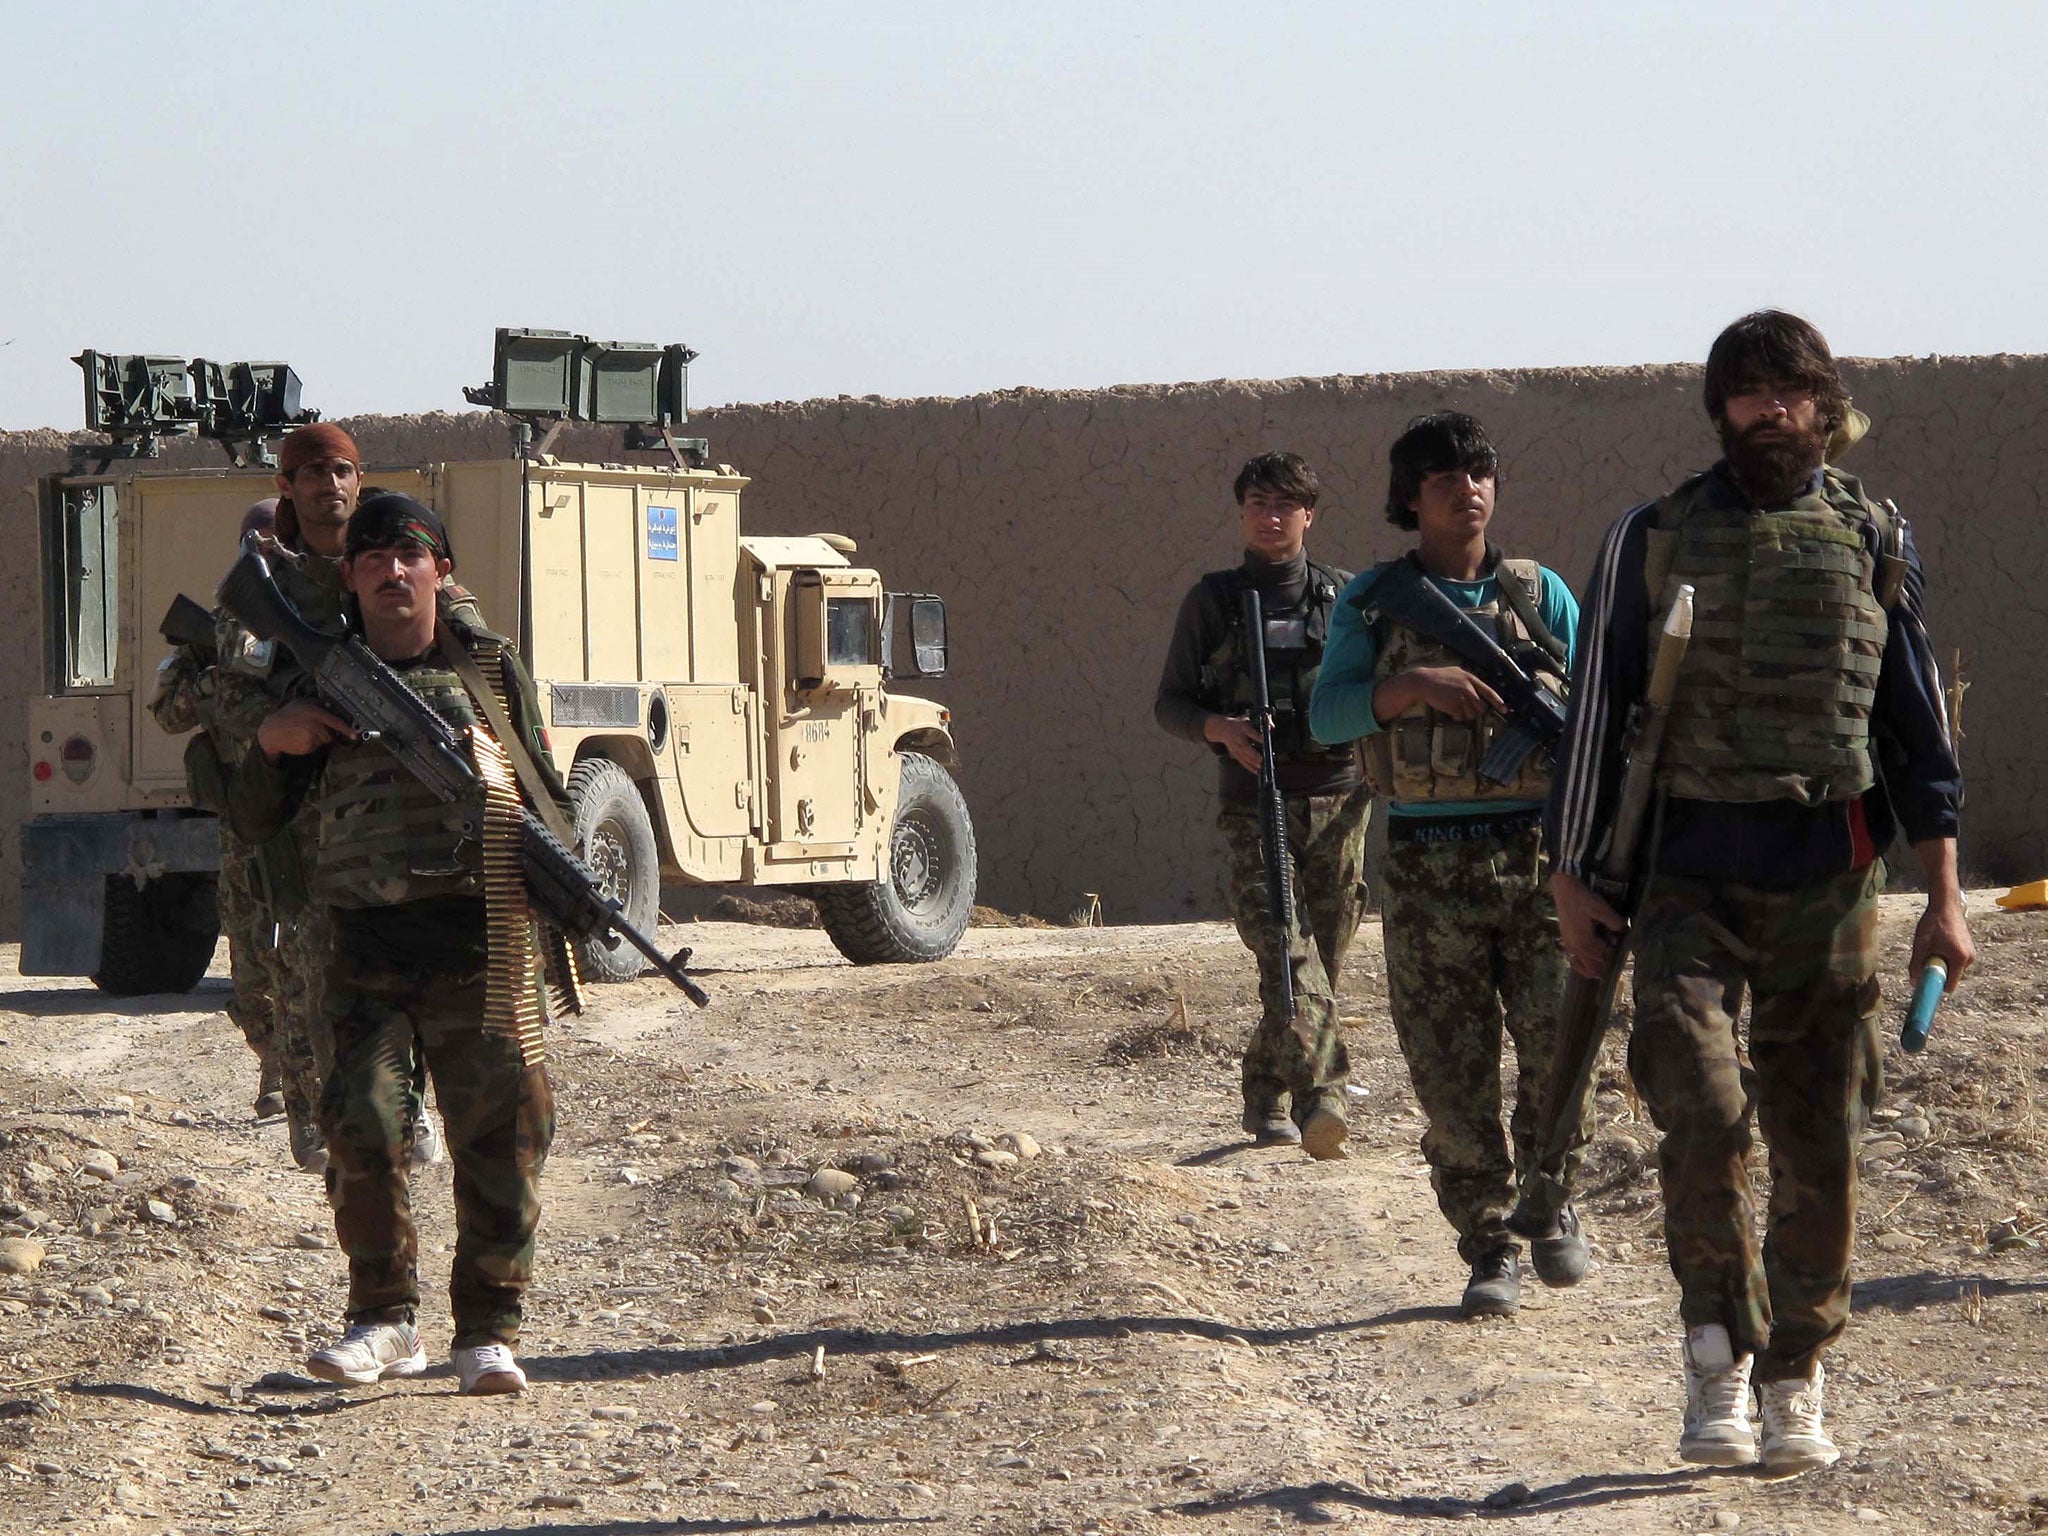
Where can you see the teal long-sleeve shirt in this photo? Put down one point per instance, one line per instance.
(1340, 709)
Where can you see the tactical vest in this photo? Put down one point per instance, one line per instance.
(384, 838)
(1423, 755)
(1788, 634)
(1294, 652)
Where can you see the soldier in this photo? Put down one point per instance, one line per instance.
(320, 480)
(1294, 1068)
(405, 878)
(1471, 936)
(189, 695)
(1807, 730)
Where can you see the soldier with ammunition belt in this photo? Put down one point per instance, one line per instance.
(427, 959)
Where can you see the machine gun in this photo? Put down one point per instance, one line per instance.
(359, 687)
(1272, 804)
(138, 400)
(1582, 1011)
(1535, 717)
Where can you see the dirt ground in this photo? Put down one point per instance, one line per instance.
(1144, 1327)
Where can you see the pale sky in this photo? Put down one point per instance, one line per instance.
(920, 199)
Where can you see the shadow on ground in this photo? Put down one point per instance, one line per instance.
(210, 996)
(1312, 1503)
(823, 1520)
(1902, 1293)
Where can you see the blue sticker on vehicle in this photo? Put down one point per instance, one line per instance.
(661, 533)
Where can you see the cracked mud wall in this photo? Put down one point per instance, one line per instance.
(1063, 528)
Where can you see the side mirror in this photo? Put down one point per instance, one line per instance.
(927, 634)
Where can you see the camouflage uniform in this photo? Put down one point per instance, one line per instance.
(402, 876)
(189, 695)
(1814, 1070)
(1305, 1056)
(1471, 938)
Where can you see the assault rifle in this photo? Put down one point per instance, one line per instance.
(1582, 1011)
(359, 687)
(1272, 804)
(186, 623)
(1534, 717)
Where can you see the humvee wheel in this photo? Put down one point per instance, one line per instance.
(159, 938)
(618, 845)
(921, 910)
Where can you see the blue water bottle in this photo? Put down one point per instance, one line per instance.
(1926, 998)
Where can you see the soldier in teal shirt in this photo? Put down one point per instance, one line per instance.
(1471, 935)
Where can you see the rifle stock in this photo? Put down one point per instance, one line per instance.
(355, 682)
(186, 623)
(1583, 1008)
(1272, 804)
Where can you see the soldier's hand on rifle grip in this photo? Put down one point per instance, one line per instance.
(1587, 926)
(1448, 690)
(298, 728)
(1235, 735)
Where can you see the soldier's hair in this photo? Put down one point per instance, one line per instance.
(1440, 441)
(1772, 347)
(1278, 474)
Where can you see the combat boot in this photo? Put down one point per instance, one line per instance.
(1560, 1253)
(1495, 1289)
(270, 1089)
(1717, 1431)
(1324, 1133)
(1794, 1440)
(1272, 1127)
(309, 1147)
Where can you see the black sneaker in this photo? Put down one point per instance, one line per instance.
(1271, 1127)
(1560, 1254)
(1495, 1289)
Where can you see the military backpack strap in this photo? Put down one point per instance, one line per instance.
(530, 780)
(1514, 591)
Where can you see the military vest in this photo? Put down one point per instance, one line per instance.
(384, 838)
(1424, 755)
(1294, 652)
(1789, 628)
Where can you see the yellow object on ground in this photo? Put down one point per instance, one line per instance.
(2026, 898)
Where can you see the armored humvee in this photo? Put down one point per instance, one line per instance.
(720, 704)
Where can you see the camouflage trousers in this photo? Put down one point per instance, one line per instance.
(248, 926)
(1303, 1057)
(500, 1119)
(1471, 939)
(305, 1040)
(1814, 1068)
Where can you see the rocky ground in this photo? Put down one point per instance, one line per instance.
(973, 1246)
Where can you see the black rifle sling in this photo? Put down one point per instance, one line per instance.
(523, 766)
(1405, 595)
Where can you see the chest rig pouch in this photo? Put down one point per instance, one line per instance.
(1775, 693)
(1294, 642)
(1424, 755)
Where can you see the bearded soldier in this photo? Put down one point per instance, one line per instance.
(1295, 1066)
(423, 964)
(194, 692)
(1471, 935)
(1807, 731)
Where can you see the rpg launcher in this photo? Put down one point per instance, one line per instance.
(1272, 804)
(356, 684)
(1535, 717)
(1582, 1011)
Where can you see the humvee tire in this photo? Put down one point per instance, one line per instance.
(919, 912)
(159, 938)
(618, 844)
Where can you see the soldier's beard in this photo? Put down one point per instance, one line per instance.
(1777, 467)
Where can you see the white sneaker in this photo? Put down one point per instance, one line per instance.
(370, 1352)
(1717, 1431)
(488, 1369)
(1794, 1440)
(427, 1147)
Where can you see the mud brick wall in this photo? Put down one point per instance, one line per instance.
(1063, 528)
